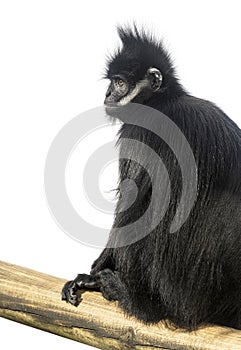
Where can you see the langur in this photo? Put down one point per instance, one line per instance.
(191, 276)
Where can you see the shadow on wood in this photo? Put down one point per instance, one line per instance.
(34, 298)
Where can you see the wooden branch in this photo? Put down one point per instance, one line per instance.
(34, 299)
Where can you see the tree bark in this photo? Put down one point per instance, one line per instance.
(34, 299)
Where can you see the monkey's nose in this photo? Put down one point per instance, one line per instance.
(106, 100)
(107, 97)
(108, 93)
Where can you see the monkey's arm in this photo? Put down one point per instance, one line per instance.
(103, 275)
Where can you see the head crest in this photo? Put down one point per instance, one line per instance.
(139, 51)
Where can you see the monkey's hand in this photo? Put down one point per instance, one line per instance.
(71, 290)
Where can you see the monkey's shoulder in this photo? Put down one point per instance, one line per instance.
(192, 113)
(190, 106)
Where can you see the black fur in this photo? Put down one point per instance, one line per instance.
(193, 275)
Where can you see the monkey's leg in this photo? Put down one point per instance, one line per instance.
(143, 306)
(87, 282)
(111, 287)
(105, 281)
(108, 282)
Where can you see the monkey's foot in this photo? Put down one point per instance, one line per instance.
(70, 291)
(110, 284)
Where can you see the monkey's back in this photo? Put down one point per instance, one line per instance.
(195, 270)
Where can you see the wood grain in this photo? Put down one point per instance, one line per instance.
(34, 298)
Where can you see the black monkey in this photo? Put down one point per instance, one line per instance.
(193, 275)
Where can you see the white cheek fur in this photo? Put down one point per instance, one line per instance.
(128, 98)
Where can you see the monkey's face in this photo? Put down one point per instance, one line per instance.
(123, 89)
(137, 70)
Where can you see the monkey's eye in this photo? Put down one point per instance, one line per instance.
(120, 83)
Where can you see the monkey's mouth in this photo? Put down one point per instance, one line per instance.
(111, 105)
(116, 104)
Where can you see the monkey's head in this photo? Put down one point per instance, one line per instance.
(139, 70)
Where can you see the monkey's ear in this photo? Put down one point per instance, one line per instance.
(155, 77)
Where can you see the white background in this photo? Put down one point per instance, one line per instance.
(52, 57)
